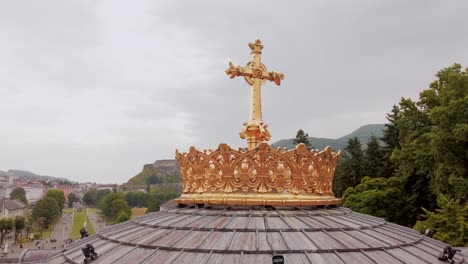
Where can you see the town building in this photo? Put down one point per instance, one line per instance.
(12, 208)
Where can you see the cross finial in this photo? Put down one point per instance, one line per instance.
(256, 46)
(255, 74)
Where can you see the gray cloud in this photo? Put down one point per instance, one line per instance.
(92, 90)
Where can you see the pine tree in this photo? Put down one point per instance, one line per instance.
(302, 137)
(391, 141)
(373, 158)
(450, 222)
(415, 160)
(350, 169)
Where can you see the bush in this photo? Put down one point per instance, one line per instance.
(122, 217)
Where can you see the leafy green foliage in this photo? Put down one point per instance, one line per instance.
(137, 199)
(19, 194)
(107, 202)
(156, 175)
(446, 105)
(391, 142)
(450, 222)
(93, 197)
(41, 222)
(118, 206)
(373, 158)
(159, 196)
(350, 169)
(6, 224)
(380, 197)
(47, 208)
(302, 137)
(58, 196)
(425, 160)
(20, 223)
(122, 217)
(71, 199)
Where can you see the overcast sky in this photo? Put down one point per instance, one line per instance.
(92, 90)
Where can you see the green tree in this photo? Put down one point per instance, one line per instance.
(47, 208)
(302, 137)
(153, 179)
(433, 138)
(90, 197)
(122, 217)
(19, 194)
(58, 196)
(101, 194)
(446, 105)
(118, 206)
(415, 159)
(380, 197)
(6, 224)
(450, 222)
(71, 199)
(19, 226)
(373, 158)
(350, 169)
(41, 222)
(106, 204)
(391, 141)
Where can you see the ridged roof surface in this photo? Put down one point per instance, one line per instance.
(222, 234)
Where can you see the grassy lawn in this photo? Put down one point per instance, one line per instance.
(78, 220)
(45, 233)
(138, 212)
(68, 210)
(91, 210)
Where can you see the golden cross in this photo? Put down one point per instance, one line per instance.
(255, 74)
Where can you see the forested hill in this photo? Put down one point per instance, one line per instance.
(28, 174)
(166, 171)
(363, 134)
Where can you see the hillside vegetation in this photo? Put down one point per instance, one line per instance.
(161, 171)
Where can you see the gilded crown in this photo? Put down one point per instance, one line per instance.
(260, 176)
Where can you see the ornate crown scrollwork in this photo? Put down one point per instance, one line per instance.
(257, 176)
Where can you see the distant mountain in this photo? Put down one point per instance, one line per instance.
(28, 174)
(161, 168)
(363, 134)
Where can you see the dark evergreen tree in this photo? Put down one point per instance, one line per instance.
(391, 141)
(302, 137)
(450, 222)
(373, 158)
(415, 160)
(350, 169)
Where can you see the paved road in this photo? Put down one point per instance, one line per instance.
(61, 232)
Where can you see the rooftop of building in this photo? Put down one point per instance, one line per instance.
(253, 234)
(11, 204)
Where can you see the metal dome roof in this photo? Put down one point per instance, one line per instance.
(223, 234)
